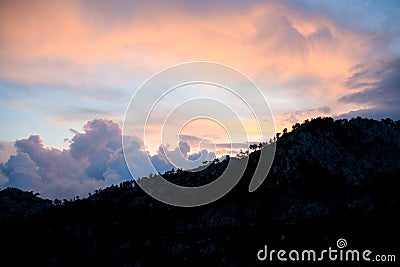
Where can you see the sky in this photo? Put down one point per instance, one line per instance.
(68, 70)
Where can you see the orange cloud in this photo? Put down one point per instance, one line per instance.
(62, 42)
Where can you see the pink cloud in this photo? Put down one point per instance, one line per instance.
(260, 37)
(95, 159)
(298, 57)
(90, 163)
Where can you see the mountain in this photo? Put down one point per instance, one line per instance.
(329, 180)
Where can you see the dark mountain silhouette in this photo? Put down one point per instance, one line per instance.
(329, 180)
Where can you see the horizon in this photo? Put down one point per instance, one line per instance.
(23, 146)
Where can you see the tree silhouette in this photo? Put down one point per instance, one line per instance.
(295, 126)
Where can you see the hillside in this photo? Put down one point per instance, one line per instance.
(329, 180)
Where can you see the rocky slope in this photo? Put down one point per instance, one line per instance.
(329, 180)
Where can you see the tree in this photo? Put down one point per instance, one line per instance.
(295, 126)
(253, 147)
(389, 122)
(397, 125)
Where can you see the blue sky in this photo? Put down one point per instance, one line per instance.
(64, 63)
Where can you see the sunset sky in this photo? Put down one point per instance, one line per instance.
(64, 63)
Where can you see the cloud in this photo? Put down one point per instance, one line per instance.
(288, 119)
(179, 157)
(206, 149)
(22, 171)
(98, 134)
(6, 150)
(378, 89)
(267, 38)
(95, 159)
(297, 54)
(96, 146)
(190, 138)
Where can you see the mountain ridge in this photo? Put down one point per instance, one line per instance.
(329, 179)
